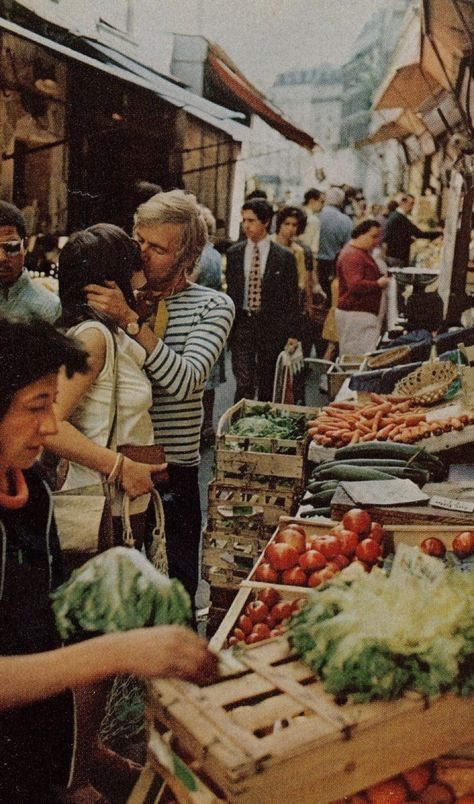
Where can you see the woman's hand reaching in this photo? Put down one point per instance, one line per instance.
(137, 478)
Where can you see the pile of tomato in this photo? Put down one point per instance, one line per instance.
(295, 558)
(425, 784)
(263, 617)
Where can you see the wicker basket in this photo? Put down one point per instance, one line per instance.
(390, 357)
(429, 383)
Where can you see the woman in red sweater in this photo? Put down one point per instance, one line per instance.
(361, 286)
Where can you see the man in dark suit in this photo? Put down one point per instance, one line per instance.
(262, 281)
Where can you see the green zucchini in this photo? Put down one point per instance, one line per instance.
(320, 498)
(374, 462)
(347, 472)
(325, 511)
(378, 449)
(321, 485)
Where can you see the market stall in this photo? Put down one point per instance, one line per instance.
(394, 596)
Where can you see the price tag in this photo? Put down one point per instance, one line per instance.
(452, 505)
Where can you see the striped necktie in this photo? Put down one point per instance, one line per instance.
(255, 282)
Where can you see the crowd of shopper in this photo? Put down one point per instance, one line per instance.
(130, 351)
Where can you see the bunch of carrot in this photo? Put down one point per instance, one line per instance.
(384, 418)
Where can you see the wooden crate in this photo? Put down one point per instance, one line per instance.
(244, 596)
(228, 503)
(270, 732)
(229, 555)
(280, 458)
(223, 596)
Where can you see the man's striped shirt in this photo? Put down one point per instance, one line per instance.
(198, 327)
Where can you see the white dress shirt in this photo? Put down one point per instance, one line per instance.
(263, 249)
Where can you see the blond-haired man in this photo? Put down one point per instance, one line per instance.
(183, 329)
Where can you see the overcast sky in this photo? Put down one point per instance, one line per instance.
(265, 37)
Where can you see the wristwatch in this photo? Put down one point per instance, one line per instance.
(133, 327)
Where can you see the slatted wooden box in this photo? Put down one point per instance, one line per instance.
(412, 535)
(228, 556)
(248, 457)
(227, 503)
(243, 597)
(271, 733)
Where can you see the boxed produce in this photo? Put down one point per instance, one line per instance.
(268, 725)
(230, 504)
(255, 615)
(444, 780)
(262, 441)
(302, 555)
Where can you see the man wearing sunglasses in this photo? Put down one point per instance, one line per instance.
(20, 296)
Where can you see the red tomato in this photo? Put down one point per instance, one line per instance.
(377, 533)
(349, 541)
(281, 556)
(468, 798)
(282, 611)
(257, 611)
(418, 778)
(329, 545)
(437, 793)
(293, 537)
(271, 620)
(333, 565)
(433, 547)
(245, 623)
(239, 634)
(269, 597)
(312, 560)
(295, 526)
(266, 573)
(262, 630)
(319, 577)
(357, 520)
(341, 562)
(232, 640)
(392, 791)
(252, 639)
(294, 577)
(463, 544)
(359, 798)
(368, 551)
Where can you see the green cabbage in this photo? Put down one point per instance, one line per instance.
(375, 637)
(116, 591)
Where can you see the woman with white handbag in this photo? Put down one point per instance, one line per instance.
(110, 405)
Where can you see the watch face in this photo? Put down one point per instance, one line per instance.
(133, 328)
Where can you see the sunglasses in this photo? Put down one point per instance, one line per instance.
(11, 246)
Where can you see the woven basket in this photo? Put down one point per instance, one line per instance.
(390, 357)
(429, 383)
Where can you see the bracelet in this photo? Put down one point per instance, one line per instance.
(117, 468)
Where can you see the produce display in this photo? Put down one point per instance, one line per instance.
(441, 782)
(269, 422)
(368, 638)
(294, 558)
(264, 617)
(116, 591)
(461, 554)
(369, 461)
(384, 418)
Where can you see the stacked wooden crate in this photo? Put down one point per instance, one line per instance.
(256, 481)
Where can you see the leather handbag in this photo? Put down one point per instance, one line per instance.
(151, 453)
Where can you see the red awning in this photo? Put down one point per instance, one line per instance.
(257, 103)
